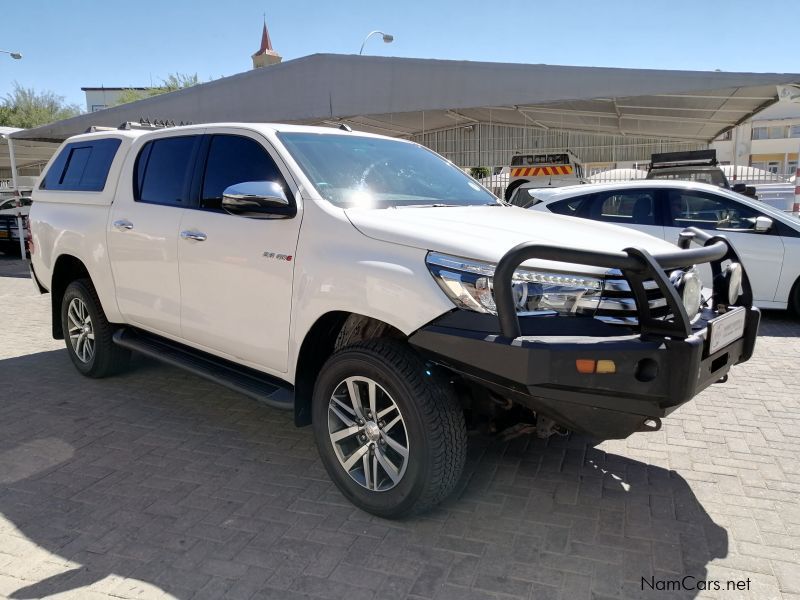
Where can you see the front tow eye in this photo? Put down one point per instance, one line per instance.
(650, 424)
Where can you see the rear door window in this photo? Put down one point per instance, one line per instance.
(82, 166)
(163, 170)
(631, 207)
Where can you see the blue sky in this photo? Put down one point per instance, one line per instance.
(68, 44)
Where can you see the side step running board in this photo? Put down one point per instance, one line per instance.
(252, 383)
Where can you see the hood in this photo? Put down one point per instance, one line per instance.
(487, 232)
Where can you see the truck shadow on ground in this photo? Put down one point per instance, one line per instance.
(157, 477)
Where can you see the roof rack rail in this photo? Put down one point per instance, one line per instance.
(94, 128)
(148, 124)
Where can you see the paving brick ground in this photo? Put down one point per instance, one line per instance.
(158, 484)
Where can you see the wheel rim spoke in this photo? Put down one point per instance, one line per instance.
(393, 422)
(358, 432)
(386, 411)
(371, 389)
(369, 479)
(355, 457)
(355, 397)
(387, 465)
(342, 417)
(395, 445)
(345, 433)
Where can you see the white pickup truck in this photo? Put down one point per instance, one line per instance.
(377, 291)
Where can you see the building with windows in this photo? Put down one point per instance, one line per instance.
(98, 98)
(769, 140)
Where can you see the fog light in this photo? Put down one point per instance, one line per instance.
(588, 366)
(733, 275)
(606, 366)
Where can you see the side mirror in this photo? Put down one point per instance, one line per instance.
(762, 224)
(257, 200)
(739, 188)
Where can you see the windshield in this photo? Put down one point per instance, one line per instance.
(353, 170)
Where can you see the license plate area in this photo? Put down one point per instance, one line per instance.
(726, 329)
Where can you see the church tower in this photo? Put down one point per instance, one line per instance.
(265, 56)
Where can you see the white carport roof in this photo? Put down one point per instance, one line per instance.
(404, 96)
(26, 152)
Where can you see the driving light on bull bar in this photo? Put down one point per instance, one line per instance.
(469, 284)
(733, 277)
(690, 289)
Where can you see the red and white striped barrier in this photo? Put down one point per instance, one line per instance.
(796, 206)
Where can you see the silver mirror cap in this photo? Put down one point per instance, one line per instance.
(269, 191)
(762, 224)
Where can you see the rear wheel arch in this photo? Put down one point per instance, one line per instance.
(67, 269)
(331, 331)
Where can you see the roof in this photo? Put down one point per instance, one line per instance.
(405, 96)
(555, 194)
(266, 43)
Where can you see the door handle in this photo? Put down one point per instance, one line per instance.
(123, 225)
(194, 236)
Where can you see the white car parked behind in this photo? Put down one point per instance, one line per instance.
(767, 239)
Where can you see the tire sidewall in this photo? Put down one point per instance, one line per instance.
(78, 290)
(400, 499)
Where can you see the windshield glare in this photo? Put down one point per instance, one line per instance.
(356, 171)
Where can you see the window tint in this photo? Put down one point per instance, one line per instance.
(697, 209)
(524, 197)
(81, 166)
(235, 159)
(571, 207)
(163, 169)
(632, 207)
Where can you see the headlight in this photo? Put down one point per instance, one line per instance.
(469, 284)
(690, 289)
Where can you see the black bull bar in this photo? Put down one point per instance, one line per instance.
(637, 266)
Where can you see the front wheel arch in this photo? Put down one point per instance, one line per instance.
(328, 333)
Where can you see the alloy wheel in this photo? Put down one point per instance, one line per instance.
(81, 331)
(368, 433)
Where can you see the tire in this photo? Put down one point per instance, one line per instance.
(94, 354)
(794, 299)
(431, 429)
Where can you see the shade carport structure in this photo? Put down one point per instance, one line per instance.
(472, 112)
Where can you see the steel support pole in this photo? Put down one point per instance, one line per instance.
(20, 229)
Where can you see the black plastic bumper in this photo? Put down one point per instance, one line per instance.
(663, 365)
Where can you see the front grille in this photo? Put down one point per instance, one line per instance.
(618, 305)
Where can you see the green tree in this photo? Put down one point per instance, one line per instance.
(480, 172)
(26, 108)
(175, 81)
